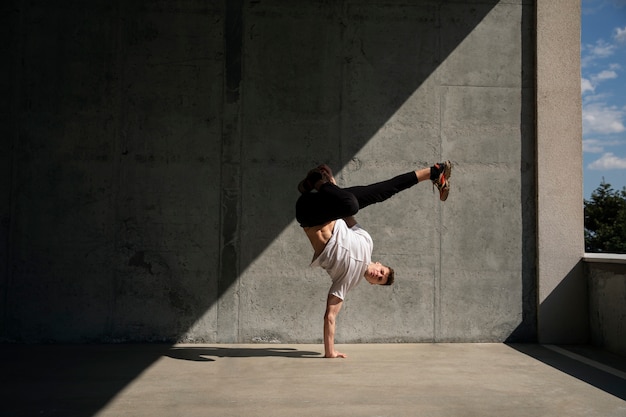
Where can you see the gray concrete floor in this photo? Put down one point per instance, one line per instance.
(293, 380)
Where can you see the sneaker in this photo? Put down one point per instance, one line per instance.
(442, 183)
(308, 184)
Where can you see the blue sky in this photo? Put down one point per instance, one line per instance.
(603, 89)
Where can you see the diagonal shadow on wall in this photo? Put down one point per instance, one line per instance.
(114, 234)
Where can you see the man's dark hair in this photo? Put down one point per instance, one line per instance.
(390, 277)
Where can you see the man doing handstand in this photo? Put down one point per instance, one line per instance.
(341, 247)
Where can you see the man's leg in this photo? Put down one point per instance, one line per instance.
(381, 191)
(332, 203)
(378, 192)
(328, 203)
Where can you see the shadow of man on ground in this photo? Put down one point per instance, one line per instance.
(201, 354)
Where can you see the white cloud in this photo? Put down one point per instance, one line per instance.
(598, 145)
(598, 118)
(602, 49)
(620, 35)
(595, 98)
(605, 75)
(593, 146)
(585, 85)
(608, 161)
(589, 84)
(591, 52)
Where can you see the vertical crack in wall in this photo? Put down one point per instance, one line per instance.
(8, 225)
(120, 142)
(230, 195)
(437, 269)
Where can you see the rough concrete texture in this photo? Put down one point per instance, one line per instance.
(607, 304)
(437, 380)
(156, 146)
(562, 289)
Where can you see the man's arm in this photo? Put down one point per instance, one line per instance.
(333, 305)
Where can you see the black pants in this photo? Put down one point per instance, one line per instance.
(332, 203)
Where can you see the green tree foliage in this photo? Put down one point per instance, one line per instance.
(605, 220)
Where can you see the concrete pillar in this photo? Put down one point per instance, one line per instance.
(562, 315)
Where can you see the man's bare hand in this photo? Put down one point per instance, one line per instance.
(336, 354)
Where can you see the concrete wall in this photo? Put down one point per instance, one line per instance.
(607, 302)
(562, 289)
(155, 149)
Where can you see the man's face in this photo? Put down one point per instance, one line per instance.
(377, 273)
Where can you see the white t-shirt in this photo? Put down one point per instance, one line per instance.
(345, 257)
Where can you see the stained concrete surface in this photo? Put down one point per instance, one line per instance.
(154, 149)
(293, 380)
